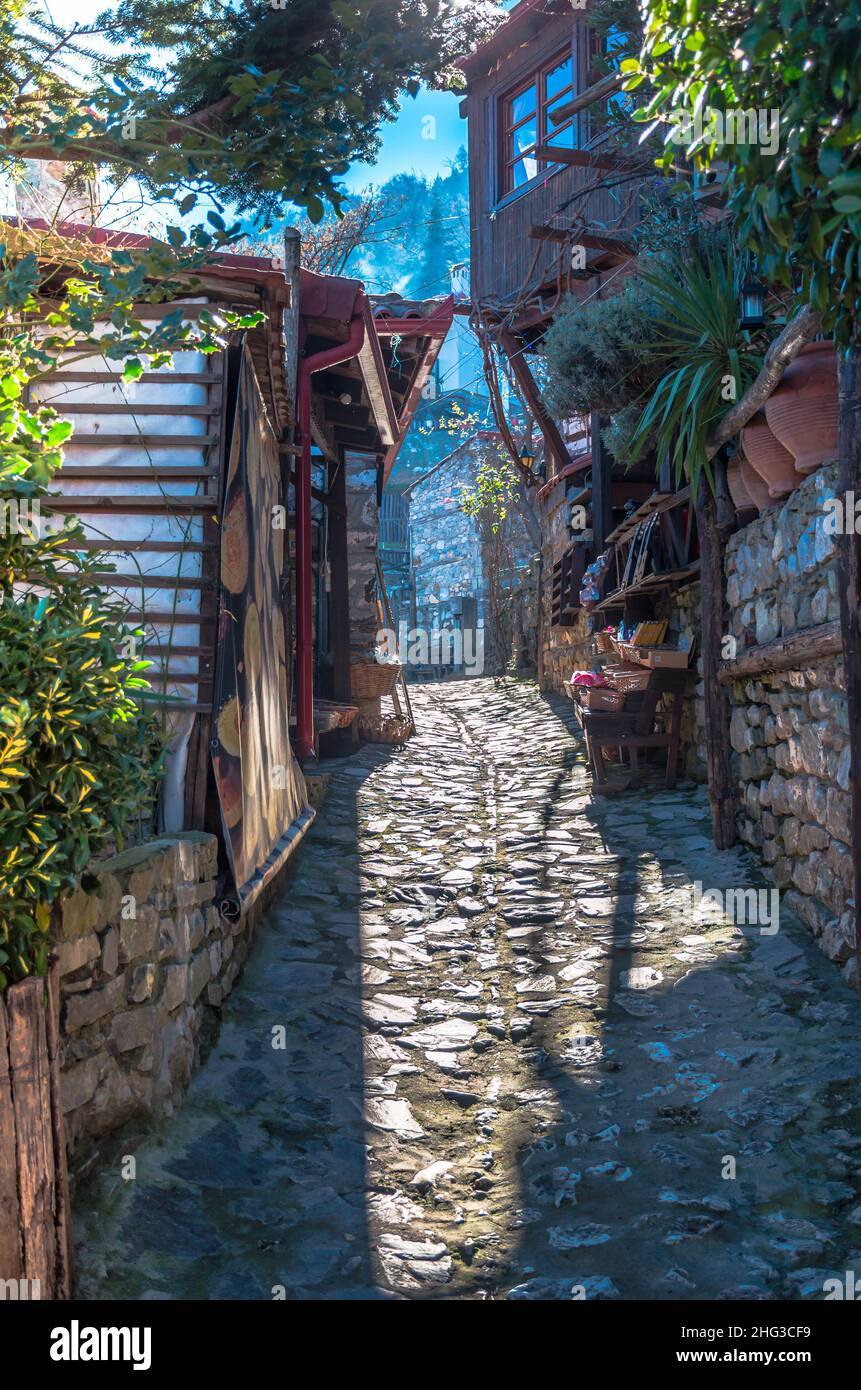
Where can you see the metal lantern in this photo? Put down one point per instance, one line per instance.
(752, 303)
(527, 458)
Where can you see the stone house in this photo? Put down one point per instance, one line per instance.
(466, 578)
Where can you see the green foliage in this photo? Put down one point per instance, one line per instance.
(797, 209)
(707, 362)
(598, 355)
(490, 501)
(263, 104)
(79, 757)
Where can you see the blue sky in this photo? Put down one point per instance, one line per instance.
(423, 140)
(405, 147)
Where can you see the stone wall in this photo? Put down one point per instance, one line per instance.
(681, 608)
(789, 729)
(450, 557)
(363, 535)
(563, 649)
(146, 961)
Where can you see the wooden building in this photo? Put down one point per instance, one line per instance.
(554, 203)
(195, 489)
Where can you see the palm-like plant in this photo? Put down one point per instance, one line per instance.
(710, 360)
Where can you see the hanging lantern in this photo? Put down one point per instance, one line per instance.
(752, 302)
(527, 458)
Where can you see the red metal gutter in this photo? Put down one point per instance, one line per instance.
(329, 357)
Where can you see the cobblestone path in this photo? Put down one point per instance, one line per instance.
(514, 1063)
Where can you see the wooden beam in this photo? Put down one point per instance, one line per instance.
(599, 91)
(355, 415)
(593, 241)
(849, 584)
(718, 748)
(784, 653)
(553, 440)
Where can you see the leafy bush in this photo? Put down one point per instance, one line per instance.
(598, 355)
(707, 361)
(79, 759)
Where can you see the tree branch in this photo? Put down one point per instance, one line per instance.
(785, 348)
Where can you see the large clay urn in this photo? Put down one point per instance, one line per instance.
(802, 412)
(747, 483)
(774, 464)
(742, 500)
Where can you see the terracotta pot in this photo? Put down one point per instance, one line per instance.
(756, 486)
(802, 412)
(742, 499)
(774, 464)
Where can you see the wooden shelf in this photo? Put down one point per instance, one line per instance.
(667, 579)
(658, 502)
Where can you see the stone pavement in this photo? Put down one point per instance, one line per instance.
(483, 1048)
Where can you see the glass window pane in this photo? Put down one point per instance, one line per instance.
(557, 106)
(558, 79)
(523, 170)
(523, 105)
(564, 135)
(524, 138)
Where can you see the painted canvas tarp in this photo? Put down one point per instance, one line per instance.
(261, 790)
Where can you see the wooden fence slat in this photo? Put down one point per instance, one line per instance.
(31, 1097)
(11, 1265)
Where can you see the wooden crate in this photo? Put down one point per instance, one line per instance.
(664, 657)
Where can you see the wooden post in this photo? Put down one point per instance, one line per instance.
(602, 487)
(339, 593)
(553, 442)
(849, 576)
(718, 750)
(290, 328)
(62, 1200)
(35, 1225)
(292, 273)
(11, 1253)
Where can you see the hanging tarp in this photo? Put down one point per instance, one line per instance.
(261, 790)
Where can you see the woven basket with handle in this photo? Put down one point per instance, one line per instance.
(371, 678)
(388, 728)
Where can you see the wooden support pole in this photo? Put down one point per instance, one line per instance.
(289, 449)
(784, 653)
(849, 584)
(602, 488)
(718, 751)
(553, 440)
(339, 591)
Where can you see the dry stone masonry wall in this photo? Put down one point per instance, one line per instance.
(789, 729)
(146, 959)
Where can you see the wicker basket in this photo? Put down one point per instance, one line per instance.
(603, 642)
(632, 679)
(598, 697)
(388, 728)
(368, 679)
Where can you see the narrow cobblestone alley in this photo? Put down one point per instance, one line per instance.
(513, 1064)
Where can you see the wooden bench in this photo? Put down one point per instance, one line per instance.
(631, 730)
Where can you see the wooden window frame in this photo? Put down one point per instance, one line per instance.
(544, 129)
